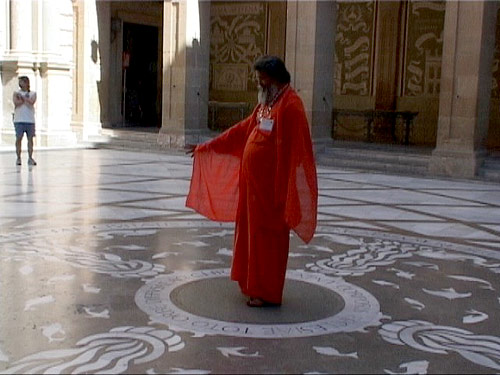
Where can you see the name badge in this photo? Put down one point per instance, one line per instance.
(266, 124)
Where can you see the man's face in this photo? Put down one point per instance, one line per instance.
(263, 80)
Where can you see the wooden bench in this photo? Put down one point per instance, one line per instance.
(370, 115)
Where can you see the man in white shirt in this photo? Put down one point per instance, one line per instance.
(24, 117)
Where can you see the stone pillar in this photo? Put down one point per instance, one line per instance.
(16, 58)
(186, 50)
(51, 26)
(4, 27)
(469, 37)
(21, 31)
(310, 42)
(41, 45)
(91, 70)
(104, 50)
(55, 67)
(5, 108)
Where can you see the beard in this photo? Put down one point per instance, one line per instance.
(262, 95)
(265, 94)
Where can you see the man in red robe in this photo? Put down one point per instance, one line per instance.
(261, 173)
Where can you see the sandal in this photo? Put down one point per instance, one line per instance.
(257, 302)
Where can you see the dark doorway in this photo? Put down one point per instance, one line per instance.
(140, 74)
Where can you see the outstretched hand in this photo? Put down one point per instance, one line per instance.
(190, 149)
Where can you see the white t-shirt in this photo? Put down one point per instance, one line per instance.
(25, 112)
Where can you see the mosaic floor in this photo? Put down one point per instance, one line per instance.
(103, 270)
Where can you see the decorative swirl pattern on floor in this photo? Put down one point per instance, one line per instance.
(483, 350)
(380, 275)
(104, 263)
(110, 352)
(366, 258)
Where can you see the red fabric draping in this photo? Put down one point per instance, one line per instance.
(266, 182)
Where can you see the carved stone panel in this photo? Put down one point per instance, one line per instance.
(230, 77)
(387, 53)
(238, 37)
(353, 48)
(424, 48)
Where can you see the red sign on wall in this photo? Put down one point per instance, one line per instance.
(126, 59)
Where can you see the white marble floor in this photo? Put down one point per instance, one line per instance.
(103, 269)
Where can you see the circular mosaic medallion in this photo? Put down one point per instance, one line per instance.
(360, 309)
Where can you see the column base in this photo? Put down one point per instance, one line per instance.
(57, 139)
(461, 164)
(86, 131)
(42, 139)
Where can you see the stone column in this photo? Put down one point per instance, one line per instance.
(104, 50)
(310, 42)
(469, 37)
(5, 107)
(4, 27)
(186, 49)
(16, 57)
(55, 65)
(21, 31)
(91, 70)
(51, 26)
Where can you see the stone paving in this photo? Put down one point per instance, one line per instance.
(103, 270)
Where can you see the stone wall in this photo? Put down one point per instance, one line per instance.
(238, 37)
(419, 73)
(420, 45)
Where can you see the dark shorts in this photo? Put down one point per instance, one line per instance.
(24, 127)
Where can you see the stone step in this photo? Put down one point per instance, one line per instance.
(392, 157)
(376, 157)
(368, 165)
(114, 143)
(126, 139)
(492, 163)
(131, 135)
(136, 140)
(489, 175)
(490, 170)
(368, 157)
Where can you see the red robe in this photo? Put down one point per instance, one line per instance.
(266, 182)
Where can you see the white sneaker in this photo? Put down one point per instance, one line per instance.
(31, 162)
(18, 162)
